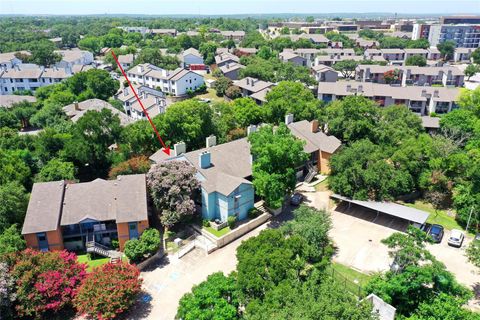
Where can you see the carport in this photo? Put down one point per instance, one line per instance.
(417, 217)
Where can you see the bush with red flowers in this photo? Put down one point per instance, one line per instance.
(108, 291)
(45, 281)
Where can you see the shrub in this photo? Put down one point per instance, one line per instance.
(115, 244)
(45, 281)
(206, 223)
(231, 221)
(140, 249)
(134, 165)
(108, 291)
(253, 213)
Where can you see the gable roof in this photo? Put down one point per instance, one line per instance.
(76, 110)
(44, 208)
(8, 100)
(252, 84)
(314, 140)
(192, 51)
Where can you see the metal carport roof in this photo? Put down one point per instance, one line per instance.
(390, 208)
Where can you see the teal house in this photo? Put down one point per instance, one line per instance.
(223, 171)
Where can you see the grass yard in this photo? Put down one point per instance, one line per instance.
(218, 233)
(439, 217)
(95, 262)
(211, 94)
(322, 186)
(353, 280)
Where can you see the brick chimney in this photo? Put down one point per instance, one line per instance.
(314, 124)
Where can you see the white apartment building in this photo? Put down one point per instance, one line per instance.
(30, 77)
(152, 100)
(175, 82)
(74, 57)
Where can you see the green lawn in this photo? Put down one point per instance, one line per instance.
(353, 280)
(95, 262)
(211, 94)
(218, 233)
(438, 217)
(322, 186)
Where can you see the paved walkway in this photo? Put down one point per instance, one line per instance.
(168, 283)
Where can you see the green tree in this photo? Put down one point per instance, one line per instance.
(190, 121)
(473, 253)
(91, 43)
(13, 204)
(346, 67)
(23, 111)
(11, 241)
(148, 244)
(396, 124)
(471, 70)
(13, 167)
(50, 115)
(215, 298)
(246, 112)
(221, 85)
(416, 60)
(94, 83)
(362, 171)
(445, 307)
(446, 48)
(476, 56)
(352, 119)
(56, 169)
(276, 153)
(313, 225)
(290, 97)
(92, 135)
(155, 57)
(43, 53)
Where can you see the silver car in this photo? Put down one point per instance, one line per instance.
(456, 238)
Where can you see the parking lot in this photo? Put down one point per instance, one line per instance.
(357, 234)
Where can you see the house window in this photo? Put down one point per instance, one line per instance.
(42, 241)
(133, 230)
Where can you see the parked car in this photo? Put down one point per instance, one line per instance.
(436, 232)
(456, 238)
(296, 199)
(425, 227)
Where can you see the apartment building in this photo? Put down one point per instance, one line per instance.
(30, 77)
(291, 57)
(412, 75)
(65, 215)
(224, 58)
(74, 57)
(126, 60)
(9, 59)
(77, 110)
(237, 35)
(231, 70)
(323, 73)
(250, 86)
(154, 101)
(191, 56)
(462, 54)
(174, 82)
(225, 170)
(464, 35)
(422, 100)
(163, 32)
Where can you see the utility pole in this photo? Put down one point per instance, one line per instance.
(469, 217)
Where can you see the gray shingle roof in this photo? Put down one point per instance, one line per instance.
(9, 99)
(314, 140)
(44, 207)
(94, 105)
(122, 200)
(252, 84)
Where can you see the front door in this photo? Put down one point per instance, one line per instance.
(133, 230)
(42, 241)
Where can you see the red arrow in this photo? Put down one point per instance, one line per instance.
(165, 148)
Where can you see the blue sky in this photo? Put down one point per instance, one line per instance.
(233, 7)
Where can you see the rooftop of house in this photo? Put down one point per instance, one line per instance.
(428, 71)
(464, 50)
(433, 50)
(8, 56)
(225, 57)
(236, 33)
(23, 71)
(286, 55)
(60, 203)
(228, 67)
(81, 67)
(147, 69)
(392, 51)
(192, 51)
(322, 68)
(315, 139)
(72, 55)
(415, 50)
(231, 162)
(163, 31)
(369, 89)
(331, 58)
(252, 84)
(76, 110)
(56, 73)
(126, 58)
(8, 100)
(430, 122)
(247, 50)
(261, 95)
